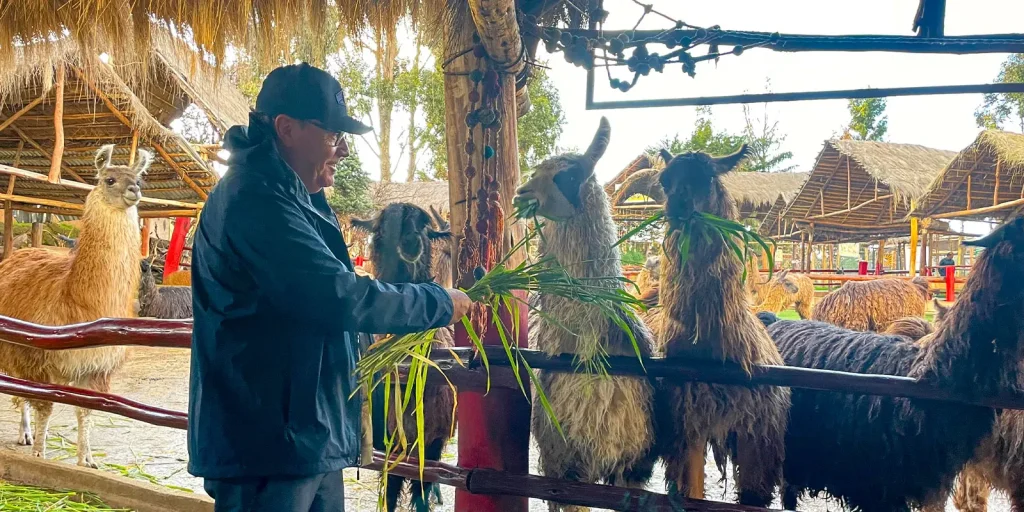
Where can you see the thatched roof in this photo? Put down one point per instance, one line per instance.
(264, 29)
(424, 194)
(969, 181)
(859, 190)
(100, 108)
(754, 192)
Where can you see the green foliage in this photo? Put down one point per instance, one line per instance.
(50, 231)
(538, 130)
(351, 188)
(999, 109)
(633, 258)
(703, 138)
(765, 143)
(867, 119)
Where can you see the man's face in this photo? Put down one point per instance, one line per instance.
(313, 149)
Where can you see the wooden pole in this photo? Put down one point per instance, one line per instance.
(146, 226)
(37, 234)
(14, 117)
(494, 430)
(9, 206)
(983, 210)
(995, 190)
(22, 173)
(968, 191)
(913, 246)
(58, 127)
(924, 246)
(135, 147)
(45, 153)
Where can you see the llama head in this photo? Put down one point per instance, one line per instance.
(653, 265)
(403, 237)
(787, 283)
(561, 185)
(442, 224)
(120, 186)
(692, 183)
(940, 310)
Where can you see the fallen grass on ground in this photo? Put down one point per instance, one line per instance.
(23, 498)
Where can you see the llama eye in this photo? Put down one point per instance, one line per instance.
(110, 181)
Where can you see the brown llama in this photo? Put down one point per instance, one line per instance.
(873, 305)
(406, 241)
(178, 278)
(786, 290)
(607, 420)
(707, 317)
(99, 278)
(912, 327)
(442, 257)
(897, 454)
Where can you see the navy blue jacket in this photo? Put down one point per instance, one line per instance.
(277, 308)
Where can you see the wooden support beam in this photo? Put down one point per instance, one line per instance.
(913, 245)
(8, 229)
(45, 153)
(156, 145)
(979, 211)
(968, 191)
(498, 27)
(147, 225)
(849, 183)
(166, 214)
(135, 147)
(855, 208)
(14, 171)
(995, 190)
(29, 106)
(37, 234)
(41, 201)
(58, 126)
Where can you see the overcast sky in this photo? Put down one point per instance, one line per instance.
(944, 122)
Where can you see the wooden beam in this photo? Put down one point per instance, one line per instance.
(14, 171)
(848, 183)
(968, 191)
(147, 225)
(29, 106)
(498, 27)
(41, 201)
(156, 145)
(37, 234)
(45, 153)
(166, 214)
(58, 126)
(855, 208)
(8, 229)
(979, 211)
(995, 190)
(135, 147)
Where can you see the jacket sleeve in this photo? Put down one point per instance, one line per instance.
(300, 275)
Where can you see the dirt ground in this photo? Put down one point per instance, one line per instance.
(160, 377)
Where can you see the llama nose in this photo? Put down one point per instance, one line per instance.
(133, 189)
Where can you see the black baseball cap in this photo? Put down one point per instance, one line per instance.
(307, 93)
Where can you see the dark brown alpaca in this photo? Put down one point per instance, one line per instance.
(707, 317)
(406, 241)
(896, 454)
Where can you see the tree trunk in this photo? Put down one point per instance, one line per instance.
(387, 58)
(493, 429)
(413, 108)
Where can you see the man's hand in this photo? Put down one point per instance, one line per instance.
(461, 304)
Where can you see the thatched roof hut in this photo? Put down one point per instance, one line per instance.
(425, 194)
(100, 108)
(859, 190)
(754, 192)
(985, 180)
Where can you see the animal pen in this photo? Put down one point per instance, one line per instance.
(486, 47)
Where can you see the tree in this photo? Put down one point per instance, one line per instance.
(867, 119)
(999, 109)
(703, 138)
(538, 130)
(351, 188)
(765, 142)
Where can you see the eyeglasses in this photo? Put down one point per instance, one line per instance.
(333, 138)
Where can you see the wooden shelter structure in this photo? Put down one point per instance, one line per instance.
(984, 181)
(857, 191)
(425, 194)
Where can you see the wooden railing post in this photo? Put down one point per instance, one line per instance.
(173, 260)
(950, 283)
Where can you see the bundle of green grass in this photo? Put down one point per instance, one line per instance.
(24, 498)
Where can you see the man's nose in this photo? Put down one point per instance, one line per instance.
(342, 149)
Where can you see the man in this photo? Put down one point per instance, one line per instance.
(278, 308)
(948, 261)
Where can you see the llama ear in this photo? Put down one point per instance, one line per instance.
(103, 156)
(782, 275)
(600, 142)
(441, 223)
(665, 155)
(724, 164)
(365, 225)
(789, 286)
(434, 236)
(142, 162)
(940, 310)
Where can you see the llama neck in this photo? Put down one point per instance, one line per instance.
(977, 347)
(583, 244)
(105, 270)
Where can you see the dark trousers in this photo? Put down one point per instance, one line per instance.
(319, 493)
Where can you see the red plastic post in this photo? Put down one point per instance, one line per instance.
(862, 267)
(950, 283)
(181, 225)
(494, 430)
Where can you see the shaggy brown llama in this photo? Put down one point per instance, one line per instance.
(913, 327)
(405, 243)
(99, 278)
(707, 317)
(897, 454)
(178, 278)
(786, 290)
(608, 421)
(873, 305)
